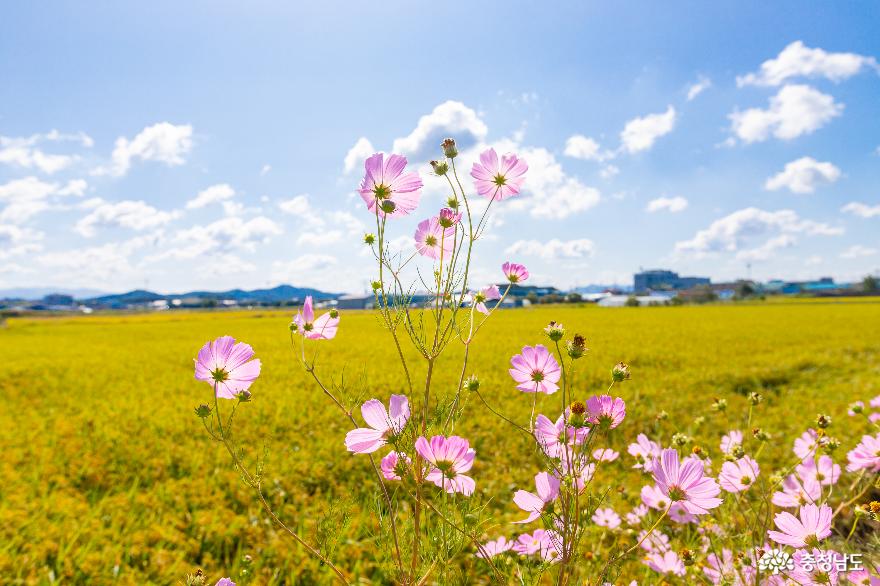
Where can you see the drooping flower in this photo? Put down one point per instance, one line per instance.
(826, 472)
(383, 424)
(450, 458)
(385, 184)
(528, 544)
(606, 517)
(496, 547)
(666, 563)
(738, 475)
(227, 366)
(479, 299)
(547, 489)
(796, 493)
(515, 272)
(535, 370)
(605, 411)
(395, 465)
(433, 240)
(813, 526)
(323, 328)
(645, 451)
(684, 482)
(866, 455)
(730, 440)
(549, 435)
(498, 180)
(806, 445)
(605, 455)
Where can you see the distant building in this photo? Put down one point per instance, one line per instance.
(663, 280)
(643, 300)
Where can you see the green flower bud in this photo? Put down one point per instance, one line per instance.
(554, 331)
(576, 347)
(449, 148)
(369, 239)
(620, 372)
(823, 421)
(203, 411)
(440, 167)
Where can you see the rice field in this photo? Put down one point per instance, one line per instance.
(109, 478)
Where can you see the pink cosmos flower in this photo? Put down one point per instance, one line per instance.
(739, 475)
(549, 435)
(805, 445)
(826, 473)
(227, 366)
(862, 578)
(492, 548)
(685, 483)
(605, 455)
(528, 544)
(656, 541)
(394, 465)
(535, 370)
(813, 526)
(654, 497)
(725, 570)
(606, 517)
(875, 402)
(547, 488)
(383, 424)
(515, 273)
(433, 240)
(606, 412)
(681, 515)
(450, 458)
(386, 184)
(796, 493)
(448, 218)
(635, 516)
(583, 475)
(730, 440)
(866, 455)
(224, 582)
(479, 299)
(666, 563)
(551, 547)
(645, 451)
(323, 328)
(498, 181)
(816, 568)
(874, 417)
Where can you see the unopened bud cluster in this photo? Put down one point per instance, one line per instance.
(620, 372)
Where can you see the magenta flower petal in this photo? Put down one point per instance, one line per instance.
(385, 181)
(227, 366)
(448, 458)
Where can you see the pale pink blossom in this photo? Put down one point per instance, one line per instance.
(551, 547)
(383, 423)
(679, 514)
(685, 482)
(498, 180)
(606, 517)
(724, 570)
(479, 299)
(394, 464)
(813, 526)
(645, 451)
(656, 541)
(825, 473)
(224, 582)
(866, 455)
(875, 402)
(323, 328)
(738, 475)
(227, 366)
(666, 563)
(635, 516)
(515, 272)
(862, 578)
(730, 440)
(385, 184)
(583, 476)
(796, 492)
(654, 497)
(546, 491)
(816, 568)
(528, 544)
(806, 444)
(549, 435)
(448, 218)
(535, 370)
(874, 417)
(605, 411)
(492, 548)
(433, 240)
(605, 455)
(450, 458)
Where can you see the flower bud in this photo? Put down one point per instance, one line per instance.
(203, 411)
(244, 396)
(448, 218)
(449, 148)
(440, 167)
(620, 372)
(376, 285)
(554, 331)
(719, 404)
(197, 579)
(755, 398)
(737, 451)
(388, 206)
(680, 440)
(293, 327)
(823, 421)
(874, 507)
(699, 420)
(857, 407)
(760, 435)
(369, 239)
(452, 202)
(576, 414)
(472, 384)
(334, 313)
(687, 557)
(662, 416)
(776, 478)
(576, 347)
(831, 445)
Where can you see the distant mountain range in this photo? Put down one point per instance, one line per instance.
(36, 293)
(274, 295)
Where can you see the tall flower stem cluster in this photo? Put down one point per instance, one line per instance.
(699, 514)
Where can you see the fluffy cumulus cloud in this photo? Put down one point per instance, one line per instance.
(134, 215)
(25, 153)
(861, 209)
(735, 231)
(225, 236)
(162, 142)
(640, 134)
(15, 240)
(795, 110)
(695, 89)
(803, 176)
(311, 270)
(667, 204)
(554, 249)
(584, 147)
(356, 155)
(451, 118)
(214, 194)
(858, 251)
(798, 60)
(767, 250)
(28, 196)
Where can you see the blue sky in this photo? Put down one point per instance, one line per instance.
(212, 145)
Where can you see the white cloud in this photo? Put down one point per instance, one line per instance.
(135, 215)
(861, 209)
(803, 176)
(29, 196)
(356, 155)
(554, 249)
(449, 119)
(702, 84)
(265, 170)
(793, 111)
(15, 240)
(609, 171)
(23, 152)
(730, 233)
(318, 239)
(213, 194)
(639, 134)
(858, 251)
(583, 147)
(312, 270)
(163, 142)
(767, 250)
(669, 204)
(299, 205)
(227, 235)
(798, 60)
